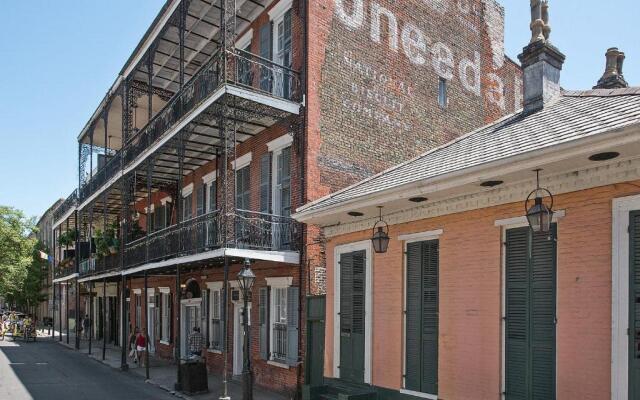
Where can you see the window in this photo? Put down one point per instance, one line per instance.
(152, 220)
(243, 190)
(279, 321)
(442, 93)
(282, 182)
(165, 322)
(211, 197)
(215, 332)
(282, 54)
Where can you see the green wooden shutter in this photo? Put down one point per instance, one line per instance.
(422, 317)
(293, 298)
(284, 181)
(170, 313)
(634, 305)
(264, 322)
(413, 317)
(265, 183)
(266, 47)
(352, 315)
(530, 314)
(517, 316)
(543, 315)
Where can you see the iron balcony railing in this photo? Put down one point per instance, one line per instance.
(64, 268)
(66, 205)
(245, 230)
(243, 69)
(90, 266)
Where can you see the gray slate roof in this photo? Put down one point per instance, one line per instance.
(574, 115)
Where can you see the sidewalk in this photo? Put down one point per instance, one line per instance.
(162, 373)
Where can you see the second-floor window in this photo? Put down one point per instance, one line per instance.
(442, 93)
(187, 204)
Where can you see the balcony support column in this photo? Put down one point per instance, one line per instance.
(67, 308)
(150, 57)
(105, 223)
(227, 34)
(77, 268)
(182, 26)
(91, 316)
(148, 219)
(55, 303)
(59, 289)
(146, 323)
(178, 307)
(124, 342)
(104, 325)
(91, 153)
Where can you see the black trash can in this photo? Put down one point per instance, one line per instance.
(193, 375)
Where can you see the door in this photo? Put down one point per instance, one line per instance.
(191, 313)
(314, 363)
(281, 235)
(530, 321)
(421, 341)
(352, 315)
(634, 305)
(238, 337)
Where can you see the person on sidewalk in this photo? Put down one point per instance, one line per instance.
(195, 342)
(141, 346)
(86, 325)
(132, 344)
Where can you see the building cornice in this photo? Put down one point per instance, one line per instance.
(587, 178)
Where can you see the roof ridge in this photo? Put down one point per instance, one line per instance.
(629, 91)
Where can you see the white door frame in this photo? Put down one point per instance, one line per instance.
(368, 306)
(197, 302)
(238, 333)
(621, 208)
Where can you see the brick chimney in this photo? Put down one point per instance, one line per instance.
(541, 61)
(613, 77)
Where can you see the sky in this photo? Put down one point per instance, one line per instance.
(58, 59)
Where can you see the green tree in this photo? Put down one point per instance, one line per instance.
(17, 246)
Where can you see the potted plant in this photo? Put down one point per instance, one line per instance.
(106, 242)
(68, 238)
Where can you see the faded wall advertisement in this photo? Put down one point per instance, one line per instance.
(401, 77)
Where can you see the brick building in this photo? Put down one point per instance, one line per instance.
(470, 302)
(224, 119)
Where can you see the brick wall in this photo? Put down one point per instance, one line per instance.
(470, 350)
(373, 93)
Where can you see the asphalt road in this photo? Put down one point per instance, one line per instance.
(47, 370)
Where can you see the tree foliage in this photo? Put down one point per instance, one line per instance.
(20, 266)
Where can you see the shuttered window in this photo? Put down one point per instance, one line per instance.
(634, 305)
(352, 315)
(279, 324)
(265, 52)
(421, 344)
(283, 183)
(265, 183)
(530, 321)
(200, 200)
(216, 320)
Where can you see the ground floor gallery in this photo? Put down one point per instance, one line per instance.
(474, 305)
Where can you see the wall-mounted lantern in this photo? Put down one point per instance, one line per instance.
(380, 238)
(539, 215)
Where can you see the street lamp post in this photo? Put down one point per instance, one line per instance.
(246, 278)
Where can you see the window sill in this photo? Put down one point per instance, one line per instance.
(164, 342)
(214, 351)
(419, 394)
(278, 364)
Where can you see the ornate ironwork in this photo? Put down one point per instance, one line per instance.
(70, 202)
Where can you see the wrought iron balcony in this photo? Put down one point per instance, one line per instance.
(246, 230)
(90, 266)
(64, 268)
(244, 69)
(102, 176)
(68, 204)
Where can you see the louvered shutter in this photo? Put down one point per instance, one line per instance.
(530, 314)
(517, 316)
(284, 181)
(200, 200)
(352, 316)
(413, 366)
(293, 298)
(264, 322)
(422, 317)
(265, 52)
(543, 315)
(287, 55)
(265, 183)
(430, 317)
(634, 305)
(212, 196)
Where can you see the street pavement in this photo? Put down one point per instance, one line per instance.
(47, 370)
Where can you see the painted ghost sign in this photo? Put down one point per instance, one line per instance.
(387, 61)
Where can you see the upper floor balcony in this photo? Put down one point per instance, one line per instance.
(181, 80)
(66, 208)
(212, 236)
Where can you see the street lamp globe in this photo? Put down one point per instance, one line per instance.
(246, 277)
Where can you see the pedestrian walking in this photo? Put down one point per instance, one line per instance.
(86, 325)
(133, 354)
(195, 342)
(141, 346)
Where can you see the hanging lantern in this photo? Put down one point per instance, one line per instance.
(539, 215)
(380, 238)
(246, 278)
